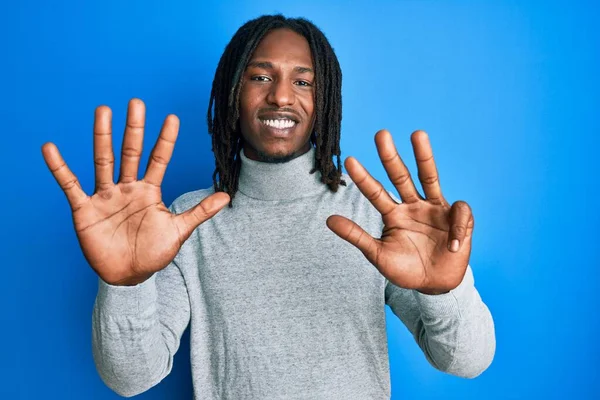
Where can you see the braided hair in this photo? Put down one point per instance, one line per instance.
(223, 121)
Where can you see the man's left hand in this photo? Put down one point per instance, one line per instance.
(426, 243)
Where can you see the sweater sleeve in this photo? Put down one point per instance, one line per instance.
(136, 330)
(455, 330)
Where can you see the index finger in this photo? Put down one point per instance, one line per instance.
(395, 167)
(370, 187)
(162, 151)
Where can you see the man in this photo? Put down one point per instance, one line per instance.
(280, 307)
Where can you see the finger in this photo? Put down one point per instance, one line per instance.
(63, 175)
(131, 151)
(426, 166)
(461, 225)
(355, 235)
(369, 186)
(162, 151)
(206, 209)
(395, 167)
(104, 158)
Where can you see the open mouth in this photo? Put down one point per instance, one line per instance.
(279, 124)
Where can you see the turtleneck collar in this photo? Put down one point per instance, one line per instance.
(280, 181)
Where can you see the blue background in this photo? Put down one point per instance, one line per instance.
(508, 91)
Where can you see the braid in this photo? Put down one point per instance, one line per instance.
(224, 104)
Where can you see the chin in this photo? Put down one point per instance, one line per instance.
(276, 157)
(276, 151)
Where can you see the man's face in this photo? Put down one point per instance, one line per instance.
(277, 98)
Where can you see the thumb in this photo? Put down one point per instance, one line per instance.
(351, 232)
(188, 221)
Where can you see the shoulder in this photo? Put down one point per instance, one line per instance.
(349, 189)
(190, 199)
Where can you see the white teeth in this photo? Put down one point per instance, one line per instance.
(279, 123)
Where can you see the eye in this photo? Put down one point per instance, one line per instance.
(303, 83)
(260, 78)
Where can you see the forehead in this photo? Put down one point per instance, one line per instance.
(283, 45)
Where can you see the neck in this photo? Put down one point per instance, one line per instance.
(285, 180)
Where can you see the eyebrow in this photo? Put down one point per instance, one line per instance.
(268, 65)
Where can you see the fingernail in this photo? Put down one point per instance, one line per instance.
(454, 245)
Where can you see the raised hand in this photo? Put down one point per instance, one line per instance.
(425, 243)
(125, 231)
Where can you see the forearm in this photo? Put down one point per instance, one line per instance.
(456, 330)
(136, 331)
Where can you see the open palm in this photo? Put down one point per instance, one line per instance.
(425, 243)
(125, 231)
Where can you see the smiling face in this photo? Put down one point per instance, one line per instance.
(277, 98)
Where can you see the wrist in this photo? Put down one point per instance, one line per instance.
(132, 281)
(431, 292)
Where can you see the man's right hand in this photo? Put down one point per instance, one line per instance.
(125, 231)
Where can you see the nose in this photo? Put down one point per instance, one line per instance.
(281, 94)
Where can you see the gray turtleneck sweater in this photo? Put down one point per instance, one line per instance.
(278, 306)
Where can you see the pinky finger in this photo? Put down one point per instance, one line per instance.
(63, 175)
